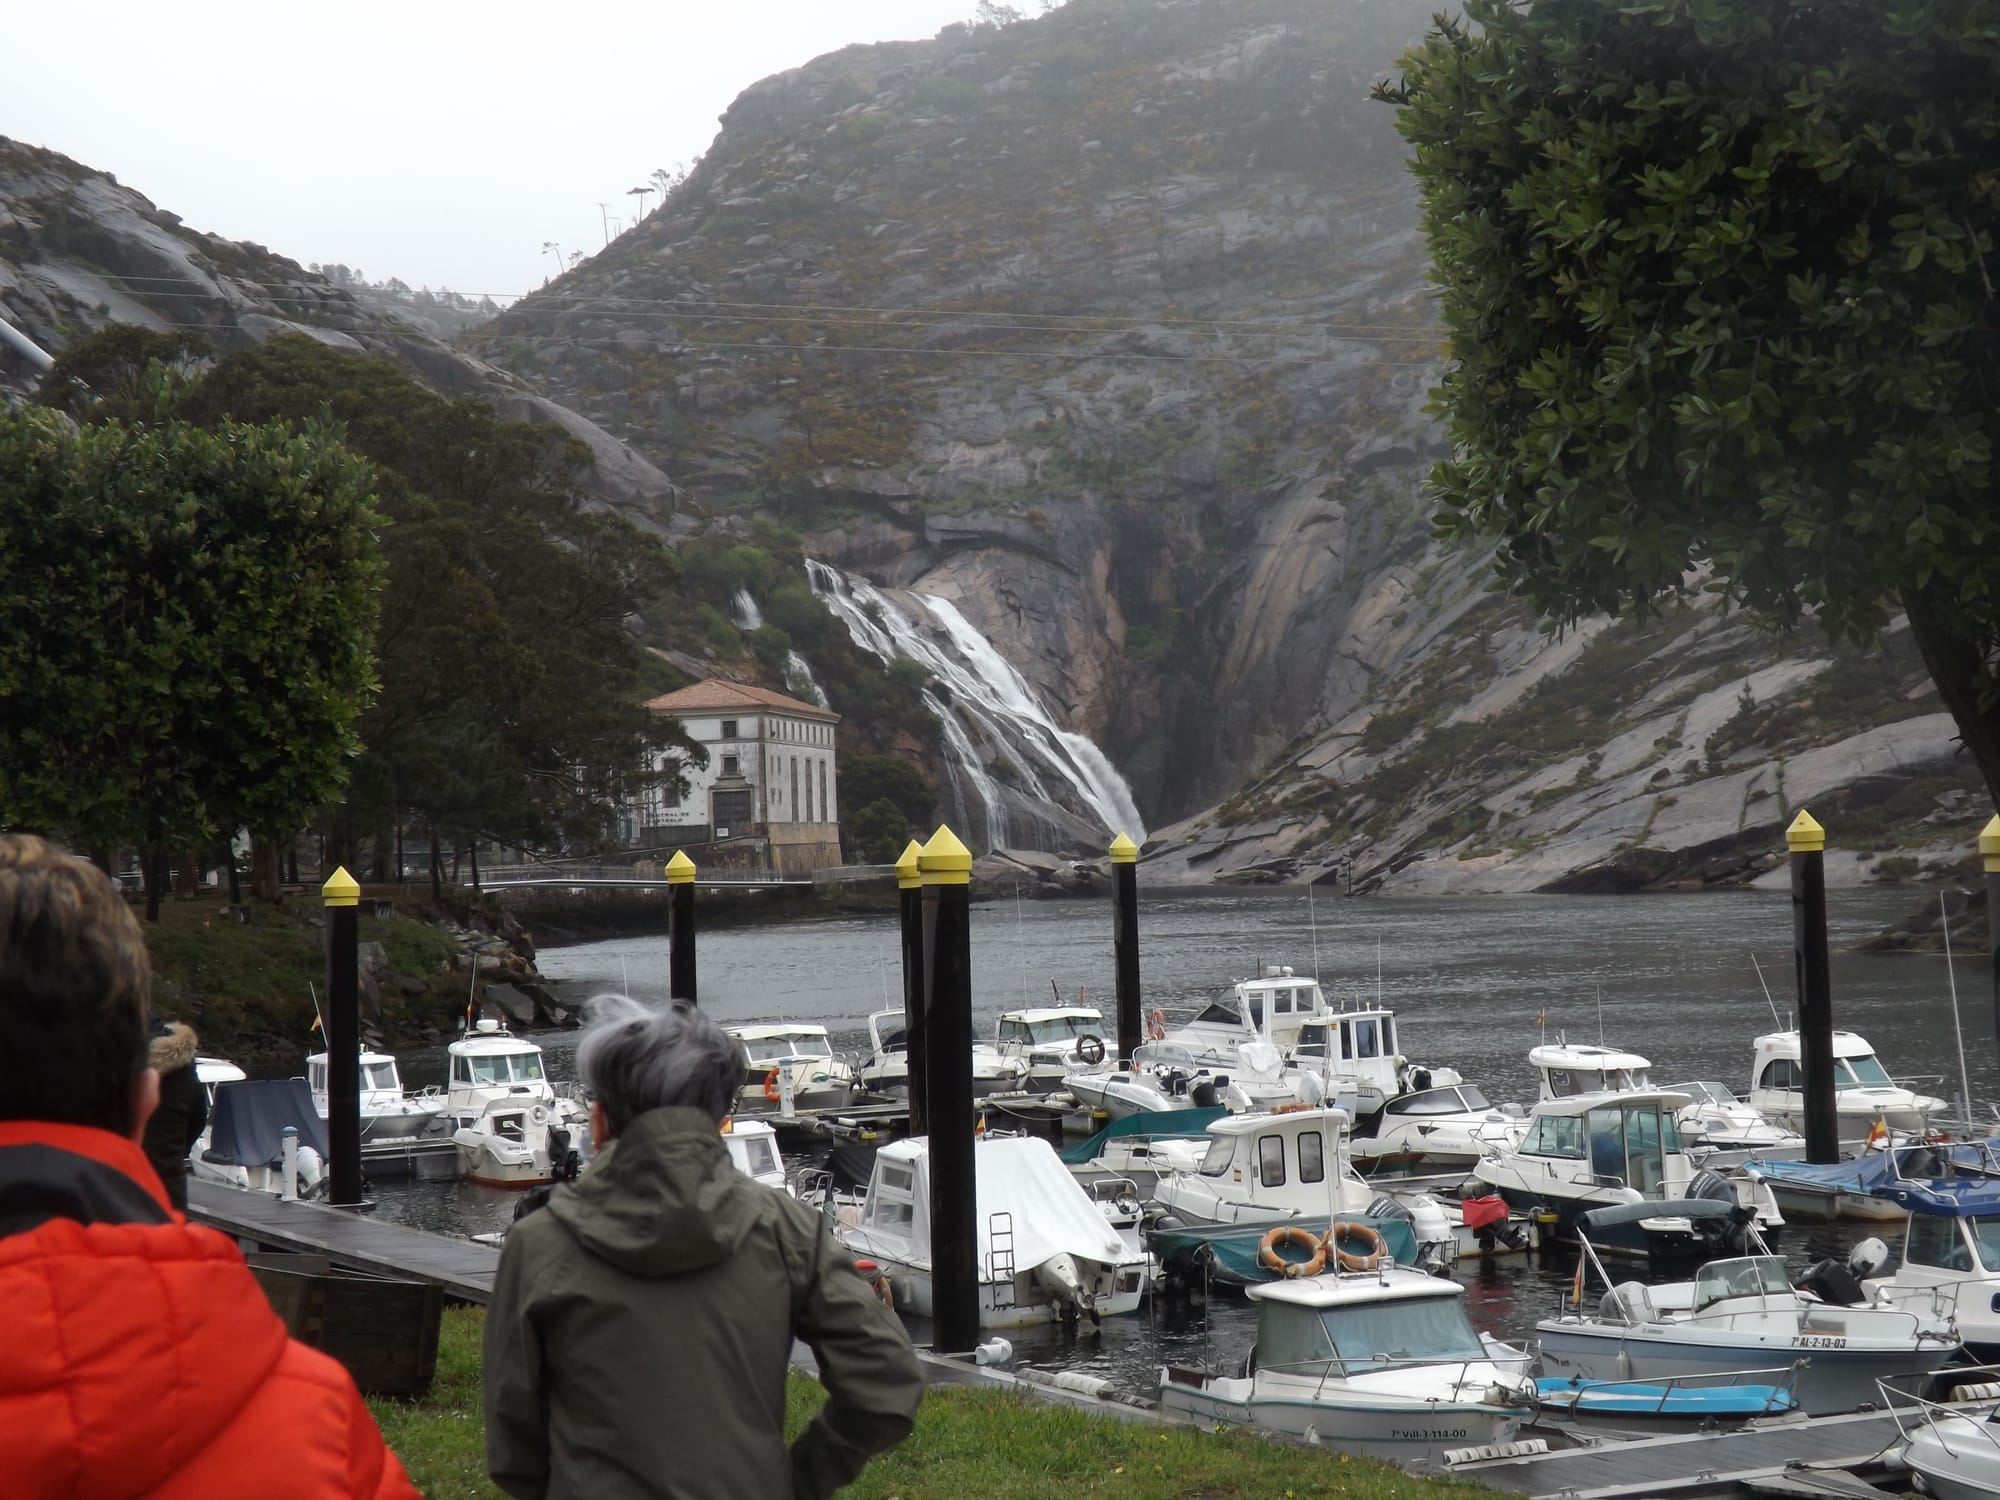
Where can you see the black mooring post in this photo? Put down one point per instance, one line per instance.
(680, 928)
(342, 895)
(1989, 854)
(947, 873)
(1807, 843)
(1125, 942)
(910, 891)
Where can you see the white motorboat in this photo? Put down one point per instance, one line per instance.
(242, 1145)
(386, 1111)
(1952, 1450)
(1258, 1081)
(1435, 1130)
(791, 1060)
(1950, 1259)
(1383, 1363)
(1273, 1008)
(1056, 1043)
(1864, 1093)
(753, 1151)
(1589, 1151)
(887, 1069)
(511, 1128)
(1047, 1252)
(1739, 1313)
(1716, 1128)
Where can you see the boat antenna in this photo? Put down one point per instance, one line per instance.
(1021, 940)
(624, 978)
(1056, 992)
(1965, 1088)
(1600, 1013)
(1378, 973)
(1312, 920)
(1767, 992)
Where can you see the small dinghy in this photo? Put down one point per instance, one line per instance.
(1663, 1405)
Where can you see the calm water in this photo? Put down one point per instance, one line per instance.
(1670, 977)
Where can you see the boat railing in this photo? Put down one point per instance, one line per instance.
(1338, 1368)
(1910, 1410)
(1667, 1385)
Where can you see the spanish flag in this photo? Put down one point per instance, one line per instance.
(1878, 1135)
(315, 1025)
(1576, 1286)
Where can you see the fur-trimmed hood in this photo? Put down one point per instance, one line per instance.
(173, 1050)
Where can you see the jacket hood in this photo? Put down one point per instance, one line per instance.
(663, 1199)
(173, 1049)
(130, 1345)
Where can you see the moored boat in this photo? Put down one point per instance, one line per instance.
(886, 1071)
(386, 1111)
(1864, 1093)
(791, 1064)
(510, 1127)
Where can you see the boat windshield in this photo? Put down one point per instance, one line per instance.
(380, 1075)
(1986, 1239)
(1221, 1151)
(1746, 1276)
(1474, 1097)
(505, 1067)
(1708, 1093)
(1060, 1028)
(1406, 1329)
(1861, 1072)
(785, 1048)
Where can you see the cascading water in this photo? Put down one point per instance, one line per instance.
(799, 679)
(1064, 791)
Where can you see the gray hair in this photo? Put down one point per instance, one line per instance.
(635, 1058)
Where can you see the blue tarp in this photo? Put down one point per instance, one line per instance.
(1232, 1248)
(1953, 1197)
(1873, 1171)
(1157, 1124)
(247, 1128)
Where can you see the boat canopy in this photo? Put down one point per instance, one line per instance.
(1229, 1252)
(1668, 1100)
(1707, 1209)
(1956, 1197)
(248, 1129)
(1152, 1124)
(1020, 1179)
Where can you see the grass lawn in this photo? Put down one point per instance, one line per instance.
(969, 1444)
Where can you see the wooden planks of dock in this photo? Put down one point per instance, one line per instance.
(464, 1269)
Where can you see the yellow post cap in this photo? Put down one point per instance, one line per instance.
(944, 860)
(680, 869)
(1805, 836)
(1124, 851)
(909, 869)
(341, 889)
(1989, 844)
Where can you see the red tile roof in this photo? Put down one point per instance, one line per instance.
(713, 694)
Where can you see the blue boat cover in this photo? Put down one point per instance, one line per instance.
(248, 1127)
(1626, 1399)
(1953, 1197)
(1156, 1124)
(1875, 1170)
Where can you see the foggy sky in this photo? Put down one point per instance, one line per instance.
(436, 140)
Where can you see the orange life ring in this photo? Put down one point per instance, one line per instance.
(1156, 1024)
(1291, 1234)
(1368, 1234)
(771, 1085)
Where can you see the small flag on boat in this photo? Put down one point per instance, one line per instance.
(1542, 1019)
(315, 1025)
(1576, 1286)
(1878, 1135)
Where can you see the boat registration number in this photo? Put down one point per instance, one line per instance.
(1821, 1341)
(1426, 1434)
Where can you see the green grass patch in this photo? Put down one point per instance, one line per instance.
(968, 1443)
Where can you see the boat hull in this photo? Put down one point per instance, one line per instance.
(1628, 1241)
(1006, 1304)
(1829, 1380)
(1955, 1458)
(1410, 1432)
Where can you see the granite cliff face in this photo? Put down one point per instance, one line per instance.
(79, 250)
(1110, 328)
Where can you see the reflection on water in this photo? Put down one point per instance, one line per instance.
(1669, 977)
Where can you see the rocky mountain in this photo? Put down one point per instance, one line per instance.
(1109, 329)
(79, 250)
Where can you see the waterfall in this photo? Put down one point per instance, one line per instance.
(1064, 789)
(799, 679)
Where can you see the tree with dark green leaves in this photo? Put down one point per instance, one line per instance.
(1717, 277)
(878, 833)
(867, 779)
(187, 619)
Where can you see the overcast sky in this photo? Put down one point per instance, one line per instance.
(436, 140)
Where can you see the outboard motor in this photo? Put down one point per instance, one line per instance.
(1486, 1216)
(1204, 1094)
(564, 1160)
(1385, 1208)
(1869, 1258)
(1833, 1283)
(1712, 1185)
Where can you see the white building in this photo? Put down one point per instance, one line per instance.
(770, 775)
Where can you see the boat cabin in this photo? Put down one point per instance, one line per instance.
(1953, 1231)
(1350, 1325)
(381, 1086)
(1611, 1140)
(1459, 1099)
(1279, 1162)
(783, 1042)
(753, 1151)
(1273, 1008)
(489, 1064)
(887, 1035)
(1565, 1069)
(212, 1073)
(1776, 1063)
(1019, 1032)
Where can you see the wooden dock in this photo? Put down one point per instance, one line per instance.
(1695, 1463)
(464, 1269)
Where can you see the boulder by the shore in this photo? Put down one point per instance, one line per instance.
(1923, 930)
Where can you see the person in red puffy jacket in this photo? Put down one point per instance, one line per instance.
(141, 1356)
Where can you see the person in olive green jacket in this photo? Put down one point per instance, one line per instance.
(641, 1325)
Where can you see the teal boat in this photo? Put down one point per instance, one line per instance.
(1226, 1254)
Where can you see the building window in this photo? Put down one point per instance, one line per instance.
(795, 783)
(729, 729)
(825, 807)
(729, 765)
(670, 794)
(809, 791)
